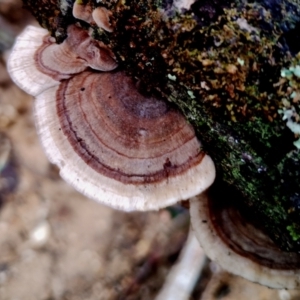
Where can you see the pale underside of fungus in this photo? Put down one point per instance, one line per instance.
(113, 144)
(233, 240)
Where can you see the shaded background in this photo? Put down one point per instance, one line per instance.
(56, 244)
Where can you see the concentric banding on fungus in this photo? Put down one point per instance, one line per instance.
(93, 52)
(238, 245)
(119, 147)
(58, 61)
(141, 139)
(38, 63)
(22, 66)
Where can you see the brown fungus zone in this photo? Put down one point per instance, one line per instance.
(142, 139)
(112, 143)
(37, 62)
(120, 147)
(77, 52)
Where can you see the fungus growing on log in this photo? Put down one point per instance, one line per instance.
(119, 147)
(113, 144)
(233, 238)
(37, 62)
(82, 11)
(232, 68)
(101, 16)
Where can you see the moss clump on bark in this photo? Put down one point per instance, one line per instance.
(223, 63)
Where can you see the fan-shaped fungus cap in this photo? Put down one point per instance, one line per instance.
(121, 148)
(238, 245)
(113, 144)
(82, 11)
(101, 16)
(37, 62)
(22, 66)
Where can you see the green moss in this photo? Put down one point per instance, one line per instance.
(293, 232)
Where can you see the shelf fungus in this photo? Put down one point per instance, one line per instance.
(111, 142)
(99, 16)
(82, 12)
(233, 238)
(37, 62)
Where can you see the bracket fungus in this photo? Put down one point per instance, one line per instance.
(99, 16)
(82, 12)
(113, 144)
(37, 62)
(233, 238)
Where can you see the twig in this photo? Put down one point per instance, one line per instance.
(183, 276)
